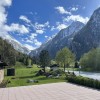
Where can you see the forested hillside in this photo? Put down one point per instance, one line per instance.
(9, 54)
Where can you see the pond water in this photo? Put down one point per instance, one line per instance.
(88, 74)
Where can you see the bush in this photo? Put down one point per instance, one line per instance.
(84, 81)
(55, 73)
(4, 83)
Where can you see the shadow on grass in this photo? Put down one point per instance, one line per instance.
(32, 76)
(42, 78)
(23, 77)
(45, 78)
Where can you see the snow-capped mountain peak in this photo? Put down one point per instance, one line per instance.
(17, 45)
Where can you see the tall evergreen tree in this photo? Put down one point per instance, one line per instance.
(44, 59)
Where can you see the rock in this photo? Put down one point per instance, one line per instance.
(50, 76)
(32, 81)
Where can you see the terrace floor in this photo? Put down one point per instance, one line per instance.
(54, 91)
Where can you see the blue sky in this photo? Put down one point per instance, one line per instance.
(33, 22)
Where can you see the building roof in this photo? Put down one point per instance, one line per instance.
(54, 65)
(2, 64)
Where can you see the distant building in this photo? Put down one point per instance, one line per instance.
(54, 67)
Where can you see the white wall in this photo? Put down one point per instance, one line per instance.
(1, 75)
(55, 68)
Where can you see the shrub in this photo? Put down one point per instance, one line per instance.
(55, 73)
(84, 81)
(4, 83)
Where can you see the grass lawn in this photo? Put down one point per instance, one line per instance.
(23, 74)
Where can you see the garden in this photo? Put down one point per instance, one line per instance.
(28, 76)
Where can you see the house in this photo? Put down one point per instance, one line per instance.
(2, 65)
(54, 67)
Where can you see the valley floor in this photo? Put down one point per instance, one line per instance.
(54, 91)
(23, 74)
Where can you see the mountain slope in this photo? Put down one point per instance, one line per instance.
(17, 46)
(88, 37)
(62, 39)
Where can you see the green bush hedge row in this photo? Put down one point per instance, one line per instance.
(84, 81)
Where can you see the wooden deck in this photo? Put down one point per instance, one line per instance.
(54, 91)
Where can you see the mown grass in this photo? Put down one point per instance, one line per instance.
(22, 74)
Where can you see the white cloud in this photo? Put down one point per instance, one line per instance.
(59, 26)
(61, 10)
(2, 19)
(24, 18)
(74, 9)
(46, 36)
(76, 18)
(37, 27)
(34, 42)
(47, 24)
(4, 28)
(53, 28)
(37, 43)
(3, 13)
(17, 27)
(29, 47)
(40, 31)
(33, 35)
(29, 41)
(5, 2)
(40, 28)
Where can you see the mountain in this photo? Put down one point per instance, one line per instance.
(88, 37)
(62, 39)
(17, 46)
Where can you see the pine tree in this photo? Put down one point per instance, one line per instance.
(44, 59)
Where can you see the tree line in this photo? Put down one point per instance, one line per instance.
(65, 57)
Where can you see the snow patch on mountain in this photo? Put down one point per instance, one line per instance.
(17, 45)
(60, 40)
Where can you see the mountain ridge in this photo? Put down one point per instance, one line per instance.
(62, 39)
(88, 37)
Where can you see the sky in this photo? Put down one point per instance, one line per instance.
(33, 22)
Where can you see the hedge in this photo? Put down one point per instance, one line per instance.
(84, 81)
